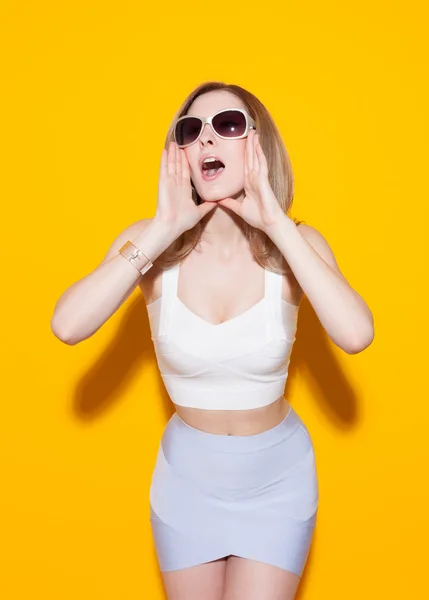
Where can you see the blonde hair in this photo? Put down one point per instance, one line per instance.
(280, 176)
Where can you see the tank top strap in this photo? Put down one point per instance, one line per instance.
(273, 296)
(273, 285)
(169, 282)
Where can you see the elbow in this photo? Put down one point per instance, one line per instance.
(358, 346)
(360, 341)
(62, 334)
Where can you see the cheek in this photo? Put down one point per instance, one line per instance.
(240, 157)
(236, 164)
(192, 159)
(235, 154)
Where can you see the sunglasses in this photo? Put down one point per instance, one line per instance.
(228, 124)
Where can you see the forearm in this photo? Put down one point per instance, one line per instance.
(87, 304)
(341, 310)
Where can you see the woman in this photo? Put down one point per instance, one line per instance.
(234, 492)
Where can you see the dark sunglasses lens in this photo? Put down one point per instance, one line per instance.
(187, 130)
(230, 123)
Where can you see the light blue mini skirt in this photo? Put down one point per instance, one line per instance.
(254, 496)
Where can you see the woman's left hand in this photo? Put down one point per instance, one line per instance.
(259, 207)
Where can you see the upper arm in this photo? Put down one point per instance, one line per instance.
(129, 233)
(320, 245)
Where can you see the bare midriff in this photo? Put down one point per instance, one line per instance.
(235, 422)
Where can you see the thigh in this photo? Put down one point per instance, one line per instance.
(253, 580)
(194, 583)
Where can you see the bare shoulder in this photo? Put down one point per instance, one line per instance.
(312, 235)
(320, 244)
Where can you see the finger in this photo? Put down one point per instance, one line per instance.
(263, 165)
(171, 161)
(206, 207)
(178, 160)
(249, 151)
(231, 204)
(256, 164)
(163, 166)
(185, 165)
(254, 138)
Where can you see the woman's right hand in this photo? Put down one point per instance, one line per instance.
(176, 207)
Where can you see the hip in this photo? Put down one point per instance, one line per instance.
(235, 465)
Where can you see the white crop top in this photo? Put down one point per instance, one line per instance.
(239, 364)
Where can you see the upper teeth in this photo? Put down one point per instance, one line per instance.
(210, 159)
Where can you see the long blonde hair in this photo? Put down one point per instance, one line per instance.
(280, 176)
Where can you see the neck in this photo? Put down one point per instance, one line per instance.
(223, 232)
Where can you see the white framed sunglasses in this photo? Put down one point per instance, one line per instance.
(228, 124)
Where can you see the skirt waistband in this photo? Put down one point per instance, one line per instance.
(239, 443)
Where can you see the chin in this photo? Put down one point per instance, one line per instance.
(216, 195)
(215, 198)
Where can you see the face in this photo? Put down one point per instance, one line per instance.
(230, 182)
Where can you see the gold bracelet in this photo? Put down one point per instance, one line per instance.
(136, 257)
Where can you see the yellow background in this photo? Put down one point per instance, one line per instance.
(88, 92)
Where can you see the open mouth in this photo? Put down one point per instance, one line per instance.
(211, 169)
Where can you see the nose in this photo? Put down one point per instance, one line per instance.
(207, 135)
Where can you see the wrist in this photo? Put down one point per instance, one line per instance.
(279, 226)
(155, 238)
(167, 229)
